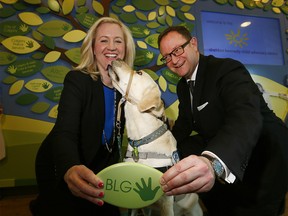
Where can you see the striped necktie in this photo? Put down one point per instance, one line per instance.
(191, 86)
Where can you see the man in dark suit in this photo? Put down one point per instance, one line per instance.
(236, 157)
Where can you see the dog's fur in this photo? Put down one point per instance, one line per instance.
(144, 112)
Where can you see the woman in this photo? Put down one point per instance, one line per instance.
(84, 138)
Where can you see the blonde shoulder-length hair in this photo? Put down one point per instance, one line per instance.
(88, 63)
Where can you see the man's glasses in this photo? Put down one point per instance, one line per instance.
(176, 52)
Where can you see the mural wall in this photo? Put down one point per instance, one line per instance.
(40, 43)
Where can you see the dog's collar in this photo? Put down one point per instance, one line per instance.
(149, 138)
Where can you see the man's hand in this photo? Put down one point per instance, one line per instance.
(83, 183)
(192, 174)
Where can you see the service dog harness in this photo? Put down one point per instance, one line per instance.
(135, 154)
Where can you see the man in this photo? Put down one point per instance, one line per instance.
(236, 157)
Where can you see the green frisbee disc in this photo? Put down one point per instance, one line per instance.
(131, 185)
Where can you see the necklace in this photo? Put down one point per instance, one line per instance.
(108, 146)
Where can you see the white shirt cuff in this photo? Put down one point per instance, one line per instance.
(229, 176)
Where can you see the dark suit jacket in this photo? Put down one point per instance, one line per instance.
(238, 127)
(76, 138)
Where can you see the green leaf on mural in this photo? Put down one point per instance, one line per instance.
(188, 25)
(33, 1)
(55, 28)
(81, 3)
(55, 73)
(9, 80)
(53, 112)
(24, 67)
(7, 58)
(169, 20)
(30, 18)
(180, 15)
(87, 20)
(74, 55)
(52, 56)
(82, 9)
(21, 44)
(128, 18)
(98, 7)
(146, 5)
(67, 6)
(284, 9)
(74, 36)
(153, 25)
(170, 76)
(7, 12)
(43, 10)
(19, 6)
(49, 42)
(11, 28)
(143, 57)
(161, 19)
(139, 31)
(162, 2)
(120, 3)
(37, 35)
(152, 74)
(40, 107)
(26, 99)
(38, 55)
(38, 85)
(141, 16)
(116, 9)
(54, 94)
(16, 87)
(152, 40)
(162, 83)
(172, 88)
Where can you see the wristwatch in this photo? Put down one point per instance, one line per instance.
(217, 166)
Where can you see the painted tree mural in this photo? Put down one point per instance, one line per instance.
(40, 43)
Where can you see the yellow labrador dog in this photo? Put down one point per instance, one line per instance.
(149, 140)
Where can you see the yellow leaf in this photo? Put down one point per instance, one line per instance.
(53, 112)
(162, 83)
(67, 6)
(128, 8)
(30, 18)
(277, 3)
(239, 4)
(189, 16)
(74, 36)
(9, 1)
(21, 44)
(276, 10)
(188, 1)
(33, 1)
(152, 16)
(52, 56)
(54, 5)
(142, 44)
(161, 10)
(170, 11)
(16, 87)
(98, 7)
(38, 85)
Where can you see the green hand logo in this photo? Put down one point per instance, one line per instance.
(145, 191)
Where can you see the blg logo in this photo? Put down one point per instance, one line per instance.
(143, 189)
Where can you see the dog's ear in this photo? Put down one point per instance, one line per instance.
(151, 100)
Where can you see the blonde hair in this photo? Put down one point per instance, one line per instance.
(88, 63)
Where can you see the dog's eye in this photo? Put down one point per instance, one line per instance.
(139, 72)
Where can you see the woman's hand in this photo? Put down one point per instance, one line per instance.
(83, 183)
(191, 174)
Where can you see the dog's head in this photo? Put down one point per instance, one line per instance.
(143, 90)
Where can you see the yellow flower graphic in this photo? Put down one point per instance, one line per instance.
(237, 39)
